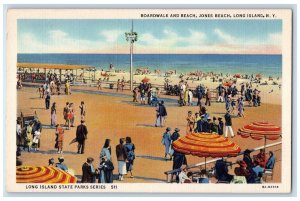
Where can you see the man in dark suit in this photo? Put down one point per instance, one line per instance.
(81, 136)
(222, 171)
(88, 171)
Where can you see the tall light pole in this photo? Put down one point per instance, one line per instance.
(131, 37)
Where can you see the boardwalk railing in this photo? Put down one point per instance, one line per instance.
(171, 172)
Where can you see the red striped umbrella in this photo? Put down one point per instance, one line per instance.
(41, 174)
(206, 145)
(260, 130)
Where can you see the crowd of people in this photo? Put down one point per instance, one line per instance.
(249, 170)
(146, 93)
(125, 154)
(28, 137)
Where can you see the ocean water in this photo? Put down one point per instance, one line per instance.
(244, 64)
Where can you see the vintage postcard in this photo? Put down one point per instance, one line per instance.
(149, 100)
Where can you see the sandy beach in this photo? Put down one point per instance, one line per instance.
(111, 115)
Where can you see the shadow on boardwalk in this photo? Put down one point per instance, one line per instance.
(156, 158)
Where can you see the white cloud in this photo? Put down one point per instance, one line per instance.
(192, 41)
(28, 43)
(226, 38)
(112, 35)
(60, 42)
(57, 34)
(171, 39)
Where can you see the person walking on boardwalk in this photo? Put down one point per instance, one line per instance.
(88, 171)
(129, 148)
(208, 97)
(121, 157)
(166, 141)
(228, 124)
(82, 110)
(241, 107)
(72, 114)
(59, 139)
(65, 114)
(161, 114)
(122, 84)
(106, 168)
(220, 90)
(190, 102)
(81, 136)
(175, 135)
(47, 100)
(41, 91)
(190, 123)
(106, 150)
(135, 94)
(68, 88)
(53, 115)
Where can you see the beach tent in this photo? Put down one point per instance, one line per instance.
(260, 130)
(206, 145)
(42, 174)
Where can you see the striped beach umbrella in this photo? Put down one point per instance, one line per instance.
(42, 174)
(260, 130)
(206, 145)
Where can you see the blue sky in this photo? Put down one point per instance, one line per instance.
(154, 36)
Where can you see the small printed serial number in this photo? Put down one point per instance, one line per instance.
(270, 186)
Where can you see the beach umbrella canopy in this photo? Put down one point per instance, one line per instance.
(145, 80)
(258, 76)
(42, 174)
(260, 130)
(237, 76)
(227, 84)
(206, 145)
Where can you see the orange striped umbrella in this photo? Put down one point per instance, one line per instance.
(260, 130)
(206, 145)
(41, 174)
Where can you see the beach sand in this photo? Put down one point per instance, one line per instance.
(270, 93)
(116, 116)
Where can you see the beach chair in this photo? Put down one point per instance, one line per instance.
(268, 173)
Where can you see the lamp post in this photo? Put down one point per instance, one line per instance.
(131, 37)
